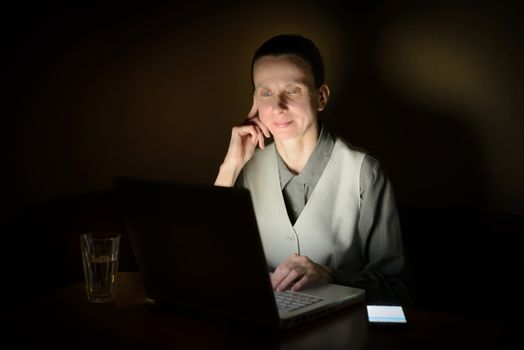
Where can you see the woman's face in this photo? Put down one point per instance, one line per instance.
(285, 96)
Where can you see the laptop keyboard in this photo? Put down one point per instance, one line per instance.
(291, 301)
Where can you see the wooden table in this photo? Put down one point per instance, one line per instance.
(65, 318)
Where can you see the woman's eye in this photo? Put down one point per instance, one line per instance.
(292, 91)
(265, 93)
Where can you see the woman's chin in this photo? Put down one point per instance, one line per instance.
(283, 135)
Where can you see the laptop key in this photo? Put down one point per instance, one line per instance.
(290, 301)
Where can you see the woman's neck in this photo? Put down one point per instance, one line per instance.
(296, 152)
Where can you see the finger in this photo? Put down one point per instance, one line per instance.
(255, 137)
(261, 142)
(245, 130)
(254, 131)
(280, 273)
(303, 282)
(288, 280)
(276, 278)
(253, 112)
(262, 126)
(282, 270)
(252, 117)
(241, 132)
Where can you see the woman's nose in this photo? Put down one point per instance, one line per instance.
(280, 103)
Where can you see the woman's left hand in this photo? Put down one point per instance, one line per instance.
(298, 271)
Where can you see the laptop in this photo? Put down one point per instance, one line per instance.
(199, 250)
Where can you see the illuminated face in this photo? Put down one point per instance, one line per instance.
(286, 98)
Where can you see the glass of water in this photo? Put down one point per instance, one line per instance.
(100, 252)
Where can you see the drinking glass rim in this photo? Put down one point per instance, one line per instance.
(101, 236)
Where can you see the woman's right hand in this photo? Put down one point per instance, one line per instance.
(244, 139)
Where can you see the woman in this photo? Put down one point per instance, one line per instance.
(325, 209)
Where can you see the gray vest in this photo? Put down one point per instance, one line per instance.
(327, 229)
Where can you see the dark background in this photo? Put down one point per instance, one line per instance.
(435, 89)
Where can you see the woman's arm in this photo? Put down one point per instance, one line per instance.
(244, 140)
(384, 276)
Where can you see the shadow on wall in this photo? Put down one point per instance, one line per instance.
(436, 92)
(432, 157)
(457, 76)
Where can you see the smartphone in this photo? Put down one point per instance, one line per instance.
(386, 315)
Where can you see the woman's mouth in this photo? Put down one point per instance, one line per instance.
(281, 125)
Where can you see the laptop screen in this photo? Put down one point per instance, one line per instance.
(198, 247)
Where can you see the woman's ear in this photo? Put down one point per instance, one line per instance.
(323, 96)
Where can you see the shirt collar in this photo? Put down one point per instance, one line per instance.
(315, 165)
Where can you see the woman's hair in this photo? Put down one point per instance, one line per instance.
(295, 45)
